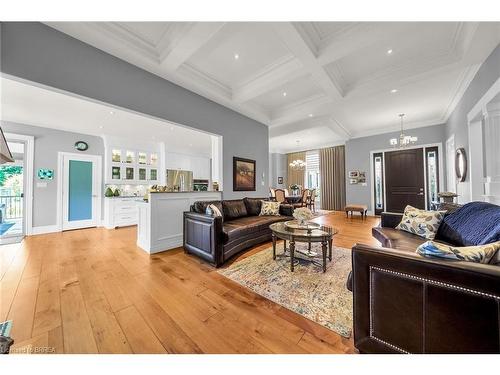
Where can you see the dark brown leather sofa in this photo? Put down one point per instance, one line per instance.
(405, 303)
(216, 239)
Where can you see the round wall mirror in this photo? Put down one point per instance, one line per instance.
(461, 164)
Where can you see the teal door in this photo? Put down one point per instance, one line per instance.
(80, 184)
(80, 191)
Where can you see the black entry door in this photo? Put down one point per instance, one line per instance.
(404, 179)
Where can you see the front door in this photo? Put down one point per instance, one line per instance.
(404, 179)
(80, 192)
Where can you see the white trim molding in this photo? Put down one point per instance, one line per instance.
(29, 155)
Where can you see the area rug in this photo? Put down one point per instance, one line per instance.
(320, 297)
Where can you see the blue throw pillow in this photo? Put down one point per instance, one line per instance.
(475, 223)
(477, 254)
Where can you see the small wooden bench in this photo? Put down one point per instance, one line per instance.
(361, 208)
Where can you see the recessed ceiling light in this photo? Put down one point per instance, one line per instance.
(389, 51)
(190, 145)
(236, 56)
(394, 91)
(100, 126)
(284, 94)
(111, 113)
(310, 115)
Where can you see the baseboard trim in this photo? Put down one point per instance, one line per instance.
(45, 229)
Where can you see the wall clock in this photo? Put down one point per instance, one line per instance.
(81, 146)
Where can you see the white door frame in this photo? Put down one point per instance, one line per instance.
(383, 151)
(97, 159)
(450, 166)
(29, 153)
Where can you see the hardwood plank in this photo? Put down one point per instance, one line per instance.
(23, 309)
(141, 338)
(77, 331)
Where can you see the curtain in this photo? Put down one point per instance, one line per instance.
(332, 172)
(294, 176)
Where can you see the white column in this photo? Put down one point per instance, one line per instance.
(492, 152)
(217, 171)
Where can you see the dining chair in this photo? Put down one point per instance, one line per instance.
(272, 193)
(303, 199)
(279, 195)
(311, 200)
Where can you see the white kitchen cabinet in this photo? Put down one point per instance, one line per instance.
(120, 212)
(200, 167)
(177, 161)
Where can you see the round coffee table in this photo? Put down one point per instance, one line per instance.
(310, 234)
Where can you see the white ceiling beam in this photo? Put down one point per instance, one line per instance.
(300, 48)
(286, 71)
(299, 112)
(190, 42)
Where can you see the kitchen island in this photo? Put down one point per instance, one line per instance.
(160, 220)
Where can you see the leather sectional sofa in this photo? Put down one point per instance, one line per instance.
(405, 303)
(216, 239)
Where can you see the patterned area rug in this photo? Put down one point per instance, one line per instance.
(320, 297)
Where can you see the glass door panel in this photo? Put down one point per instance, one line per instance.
(116, 173)
(80, 190)
(129, 173)
(142, 158)
(142, 174)
(153, 174)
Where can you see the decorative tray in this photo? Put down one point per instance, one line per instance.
(293, 224)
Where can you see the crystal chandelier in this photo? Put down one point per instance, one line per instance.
(298, 165)
(403, 140)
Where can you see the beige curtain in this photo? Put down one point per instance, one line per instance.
(294, 176)
(332, 172)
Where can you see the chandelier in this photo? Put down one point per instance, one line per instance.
(298, 165)
(403, 140)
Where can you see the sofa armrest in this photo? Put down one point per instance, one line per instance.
(404, 302)
(203, 237)
(286, 209)
(390, 219)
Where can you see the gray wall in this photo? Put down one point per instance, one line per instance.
(278, 168)
(48, 142)
(457, 125)
(38, 53)
(358, 157)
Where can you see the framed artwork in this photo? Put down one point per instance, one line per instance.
(353, 174)
(243, 174)
(45, 174)
(280, 180)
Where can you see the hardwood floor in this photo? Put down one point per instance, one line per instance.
(94, 291)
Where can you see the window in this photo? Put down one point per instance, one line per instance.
(378, 173)
(312, 174)
(432, 174)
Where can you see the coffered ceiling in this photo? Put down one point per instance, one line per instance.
(317, 82)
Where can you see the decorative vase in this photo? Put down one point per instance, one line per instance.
(108, 192)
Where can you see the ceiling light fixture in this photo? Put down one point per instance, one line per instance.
(111, 113)
(236, 56)
(403, 140)
(389, 51)
(393, 91)
(284, 93)
(310, 115)
(298, 164)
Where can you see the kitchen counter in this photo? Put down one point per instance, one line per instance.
(160, 222)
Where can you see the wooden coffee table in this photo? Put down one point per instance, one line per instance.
(310, 234)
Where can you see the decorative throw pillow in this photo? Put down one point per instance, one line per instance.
(213, 210)
(420, 222)
(270, 208)
(478, 254)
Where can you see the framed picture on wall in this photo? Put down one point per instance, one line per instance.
(243, 174)
(280, 180)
